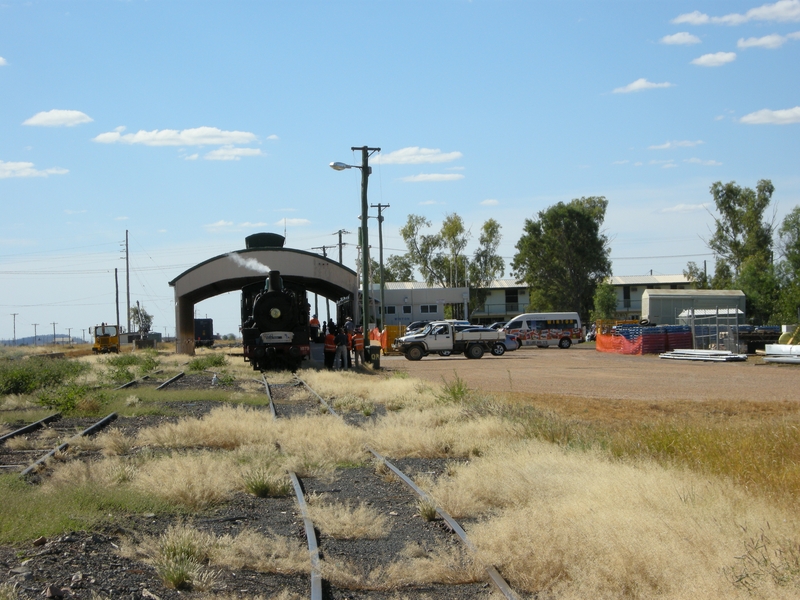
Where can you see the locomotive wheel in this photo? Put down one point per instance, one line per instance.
(414, 353)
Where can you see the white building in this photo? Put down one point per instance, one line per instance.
(631, 288)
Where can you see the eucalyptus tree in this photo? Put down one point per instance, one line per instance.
(563, 255)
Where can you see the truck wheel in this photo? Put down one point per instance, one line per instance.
(474, 351)
(498, 349)
(414, 353)
(445, 352)
(564, 343)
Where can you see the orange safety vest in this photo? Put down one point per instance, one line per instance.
(314, 322)
(330, 344)
(358, 342)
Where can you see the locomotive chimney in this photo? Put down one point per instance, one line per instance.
(275, 283)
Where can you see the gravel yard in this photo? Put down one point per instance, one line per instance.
(584, 372)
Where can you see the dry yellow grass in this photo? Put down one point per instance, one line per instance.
(247, 550)
(196, 481)
(438, 430)
(343, 521)
(416, 567)
(567, 524)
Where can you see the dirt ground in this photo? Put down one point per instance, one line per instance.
(582, 371)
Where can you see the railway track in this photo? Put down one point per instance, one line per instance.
(317, 548)
(378, 488)
(31, 460)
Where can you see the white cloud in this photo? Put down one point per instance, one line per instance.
(665, 164)
(768, 41)
(58, 118)
(715, 60)
(639, 85)
(191, 157)
(428, 203)
(706, 163)
(683, 38)
(414, 155)
(3, 62)
(293, 222)
(773, 117)
(793, 36)
(490, 202)
(73, 212)
(676, 144)
(219, 224)
(26, 169)
(199, 136)
(682, 208)
(432, 177)
(783, 10)
(248, 224)
(273, 137)
(231, 153)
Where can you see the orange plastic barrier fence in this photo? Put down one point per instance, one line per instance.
(618, 344)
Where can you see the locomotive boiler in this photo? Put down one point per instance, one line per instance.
(275, 330)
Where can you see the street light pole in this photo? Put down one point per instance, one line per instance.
(365, 172)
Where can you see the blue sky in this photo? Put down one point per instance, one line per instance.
(195, 124)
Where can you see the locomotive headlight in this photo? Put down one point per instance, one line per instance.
(275, 313)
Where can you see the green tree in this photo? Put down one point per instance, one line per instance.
(605, 302)
(423, 249)
(563, 256)
(141, 319)
(741, 231)
(398, 268)
(486, 264)
(694, 274)
(788, 269)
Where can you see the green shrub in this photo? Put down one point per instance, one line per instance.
(73, 398)
(27, 376)
(210, 361)
(124, 367)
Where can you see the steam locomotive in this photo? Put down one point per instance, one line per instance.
(275, 329)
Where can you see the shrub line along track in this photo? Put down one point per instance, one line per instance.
(500, 584)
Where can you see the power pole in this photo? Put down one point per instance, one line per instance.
(380, 206)
(54, 332)
(69, 336)
(34, 332)
(15, 327)
(116, 287)
(316, 296)
(341, 243)
(127, 286)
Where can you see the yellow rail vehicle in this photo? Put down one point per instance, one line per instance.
(106, 339)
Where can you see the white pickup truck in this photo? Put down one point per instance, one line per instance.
(441, 337)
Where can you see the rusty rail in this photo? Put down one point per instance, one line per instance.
(494, 575)
(31, 427)
(88, 431)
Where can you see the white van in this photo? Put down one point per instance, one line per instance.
(560, 329)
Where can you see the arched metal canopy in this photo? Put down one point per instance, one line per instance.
(234, 270)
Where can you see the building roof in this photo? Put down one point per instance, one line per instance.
(695, 293)
(648, 279)
(497, 284)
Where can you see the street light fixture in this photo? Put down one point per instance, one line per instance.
(366, 170)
